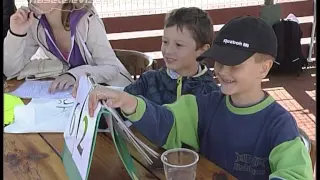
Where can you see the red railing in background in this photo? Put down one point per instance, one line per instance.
(143, 33)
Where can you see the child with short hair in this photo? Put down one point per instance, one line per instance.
(242, 129)
(188, 32)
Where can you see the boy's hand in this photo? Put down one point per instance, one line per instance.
(113, 98)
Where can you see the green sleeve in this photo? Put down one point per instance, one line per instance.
(290, 160)
(140, 110)
(169, 125)
(185, 126)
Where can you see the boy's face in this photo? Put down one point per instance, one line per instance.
(179, 49)
(243, 78)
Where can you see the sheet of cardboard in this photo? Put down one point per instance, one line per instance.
(80, 135)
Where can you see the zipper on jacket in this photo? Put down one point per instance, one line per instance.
(63, 62)
(179, 88)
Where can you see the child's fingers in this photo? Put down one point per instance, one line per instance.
(75, 89)
(93, 102)
(94, 97)
(113, 103)
(103, 93)
(109, 102)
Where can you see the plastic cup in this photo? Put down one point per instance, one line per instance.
(180, 164)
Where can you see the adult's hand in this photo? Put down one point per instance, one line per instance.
(21, 21)
(62, 82)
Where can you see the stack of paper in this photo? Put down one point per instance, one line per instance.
(80, 134)
(81, 131)
(127, 134)
(41, 116)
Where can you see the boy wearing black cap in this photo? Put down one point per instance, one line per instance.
(241, 129)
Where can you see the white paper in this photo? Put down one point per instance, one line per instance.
(80, 131)
(72, 126)
(71, 129)
(41, 115)
(84, 139)
(40, 89)
(23, 111)
(83, 90)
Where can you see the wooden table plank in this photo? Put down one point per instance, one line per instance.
(28, 156)
(106, 163)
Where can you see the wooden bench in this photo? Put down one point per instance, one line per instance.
(135, 62)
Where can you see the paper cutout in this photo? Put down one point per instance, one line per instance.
(41, 116)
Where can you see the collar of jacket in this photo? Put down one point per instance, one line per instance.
(202, 69)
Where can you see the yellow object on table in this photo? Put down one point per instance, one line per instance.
(10, 102)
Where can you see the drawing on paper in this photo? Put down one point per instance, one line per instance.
(64, 104)
(73, 119)
(80, 149)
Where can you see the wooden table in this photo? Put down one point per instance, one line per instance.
(37, 156)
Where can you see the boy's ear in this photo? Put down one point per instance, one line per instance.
(266, 66)
(203, 49)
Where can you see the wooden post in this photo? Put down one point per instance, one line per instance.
(268, 2)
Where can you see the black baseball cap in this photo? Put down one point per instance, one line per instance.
(241, 38)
